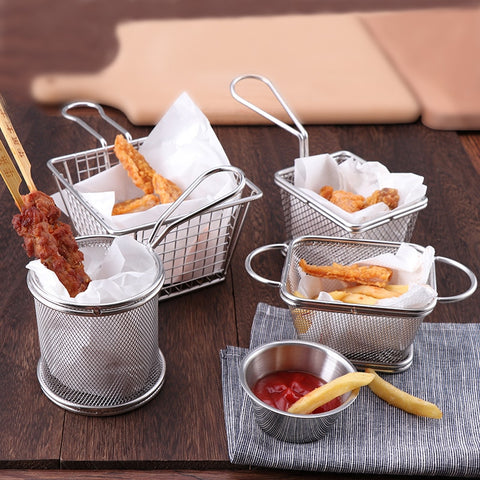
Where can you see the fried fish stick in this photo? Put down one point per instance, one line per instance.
(362, 274)
(400, 399)
(135, 164)
(136, 204)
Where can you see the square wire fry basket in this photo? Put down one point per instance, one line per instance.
(196, 249)
(372, 336)
(304, 216)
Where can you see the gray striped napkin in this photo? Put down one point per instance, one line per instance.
(373, 437)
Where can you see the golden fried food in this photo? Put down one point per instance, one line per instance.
(362, 274)
(144, 177)
(330, 390)
(367, 294)
(326, 192)
(165, 189)
(400, 399)
(389, 196)
(375, 292)
(352, 202)
(348, 201)
(136, 204)
(134, 163)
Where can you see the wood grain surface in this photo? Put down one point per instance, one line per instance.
(432, 51)
(181, 433)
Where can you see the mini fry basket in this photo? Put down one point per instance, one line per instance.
(99, 359)
(303, 216)
(196, 249)
(373, 336)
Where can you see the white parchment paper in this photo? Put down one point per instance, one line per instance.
(357, 176)
(410, 267)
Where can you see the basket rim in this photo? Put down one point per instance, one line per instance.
(106, 308)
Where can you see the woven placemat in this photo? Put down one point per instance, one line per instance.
(373, 437)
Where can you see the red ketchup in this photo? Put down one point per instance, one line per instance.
(282, 389)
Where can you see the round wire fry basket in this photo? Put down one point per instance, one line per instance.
(99, 359)
(372, 336)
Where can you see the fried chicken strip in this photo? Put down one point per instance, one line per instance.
(360, 274)
(134, 163)
(143, 176)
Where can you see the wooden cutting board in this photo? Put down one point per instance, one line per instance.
(325, 66)
(437, 53)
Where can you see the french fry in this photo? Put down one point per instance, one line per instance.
(359, 299)
(322, 395)
(400, 399)
(401, 289)
(338, 294)
(372, 291)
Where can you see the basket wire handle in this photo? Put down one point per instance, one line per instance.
(470, 274)
(154, 240)
(300, 132)
(259, 251)
(87, 127)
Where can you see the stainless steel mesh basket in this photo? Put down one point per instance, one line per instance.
(99, 359)
(303, 216)
(197, 249)
(369, 336)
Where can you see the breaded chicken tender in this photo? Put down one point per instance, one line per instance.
(360, 274)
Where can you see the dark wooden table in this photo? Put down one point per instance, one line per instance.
(181, 432)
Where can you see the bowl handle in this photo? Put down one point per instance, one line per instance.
(258, 251)
(471, 276)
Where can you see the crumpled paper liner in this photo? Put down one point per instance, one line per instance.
(123, 271)
(357, 176)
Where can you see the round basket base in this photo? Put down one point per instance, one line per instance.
(98, 405)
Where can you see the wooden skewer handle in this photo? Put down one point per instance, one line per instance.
(10, 176)
(16, 146)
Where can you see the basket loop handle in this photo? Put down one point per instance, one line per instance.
(88, 128)
(470, 274)
(300, 132)
(258, 251)
(156, 238)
